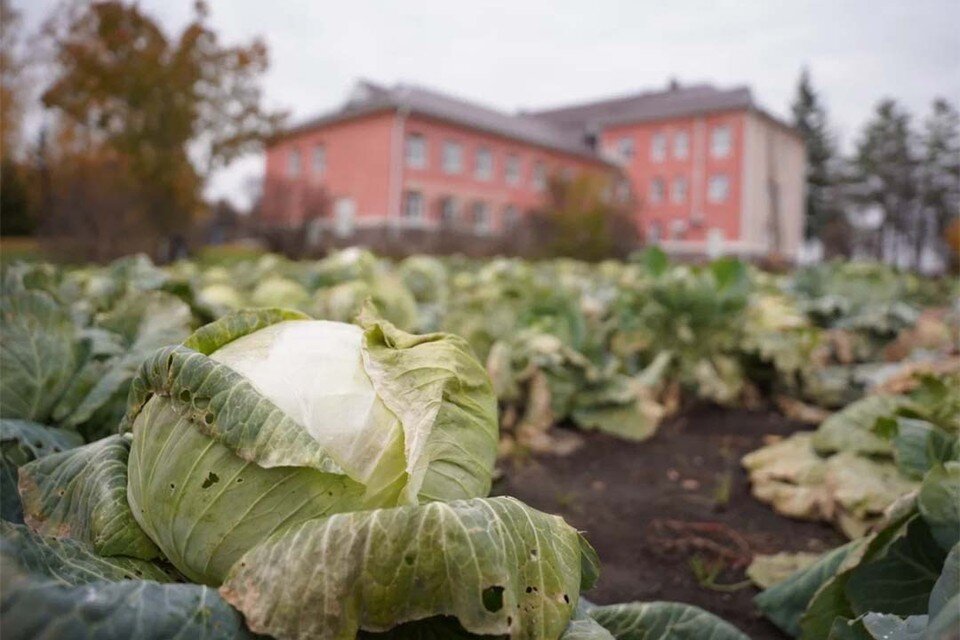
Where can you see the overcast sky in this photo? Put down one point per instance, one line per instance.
(524, 54)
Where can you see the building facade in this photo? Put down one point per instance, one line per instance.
(710, 172)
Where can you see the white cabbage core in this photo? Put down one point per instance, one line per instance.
(313, 371)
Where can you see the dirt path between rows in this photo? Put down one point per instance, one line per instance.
(650, 508)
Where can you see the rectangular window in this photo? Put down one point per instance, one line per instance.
(539, 176)
(452, 157)
(658, 147)
(293, 163)
(481, 217)
(416, 151)
(512, 169)
(678, 194)
(413, 205)
(511, 217)
(718, 188)
(625, 148)
(656, 191)
(319, 159)
(681, 145)
(448, 212)
(677, 229)
(721, 140)
(483, 164)
(655, 232)
(343, 213)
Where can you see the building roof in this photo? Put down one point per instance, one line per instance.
(564, 129)
(675, 101)
(368, 97)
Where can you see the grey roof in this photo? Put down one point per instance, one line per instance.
(657, 105)
(564, 129)
(368, 97)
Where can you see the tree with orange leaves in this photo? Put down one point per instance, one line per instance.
(167, 109)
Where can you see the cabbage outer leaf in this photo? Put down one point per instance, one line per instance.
(583, 627)
(204, 506)
(784, 603)
(39, 354)
(63, 589)
(444, 399)
(851, 429)
(82, 494)
(70, 561)
(496, 565)
(655, 620)
(22, 441)
(224, 406)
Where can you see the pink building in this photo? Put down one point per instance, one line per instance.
(711, 172)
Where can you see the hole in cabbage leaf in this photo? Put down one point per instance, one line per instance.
(211, 480)
(533, 553)
(409, 558)
(493, 599)
(509, 620)
(566, 598)
(208, 418)
(185, 396)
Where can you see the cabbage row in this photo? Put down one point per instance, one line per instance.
(900, 579)
(174, 465)
(615, 346)
(293, 478)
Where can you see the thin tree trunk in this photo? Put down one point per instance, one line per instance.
(920, 239)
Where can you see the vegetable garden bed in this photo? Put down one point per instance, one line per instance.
(306, 450)
(650, 508)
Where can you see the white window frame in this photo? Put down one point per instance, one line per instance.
(721, 141)
(412, 206)
(678, 190)
(677, 229)
(511, 217)
(449, 211)
(344, 212)
(294, 163)
(539, 176)
(452, 158)
(415, 151)
(483, 164)
(715, 193)
(626, 148)
(511, 169)
(655, 232)
(481, 222)
(658, 191)
(658, 147)
(318, 162)
(681, 145)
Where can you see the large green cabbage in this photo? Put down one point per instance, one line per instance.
(266, 419)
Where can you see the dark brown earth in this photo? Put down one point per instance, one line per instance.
(652, 508)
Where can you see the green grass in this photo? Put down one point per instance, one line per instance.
(14, 248)
(226, 254)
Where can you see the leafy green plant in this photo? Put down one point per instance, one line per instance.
(901, 581)
(303, 479)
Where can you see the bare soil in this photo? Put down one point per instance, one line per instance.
(655, 509)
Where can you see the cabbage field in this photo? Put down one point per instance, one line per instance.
(326, 449)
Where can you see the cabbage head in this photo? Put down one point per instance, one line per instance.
(266, 419)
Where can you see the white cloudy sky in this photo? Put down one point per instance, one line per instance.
(519, 53)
